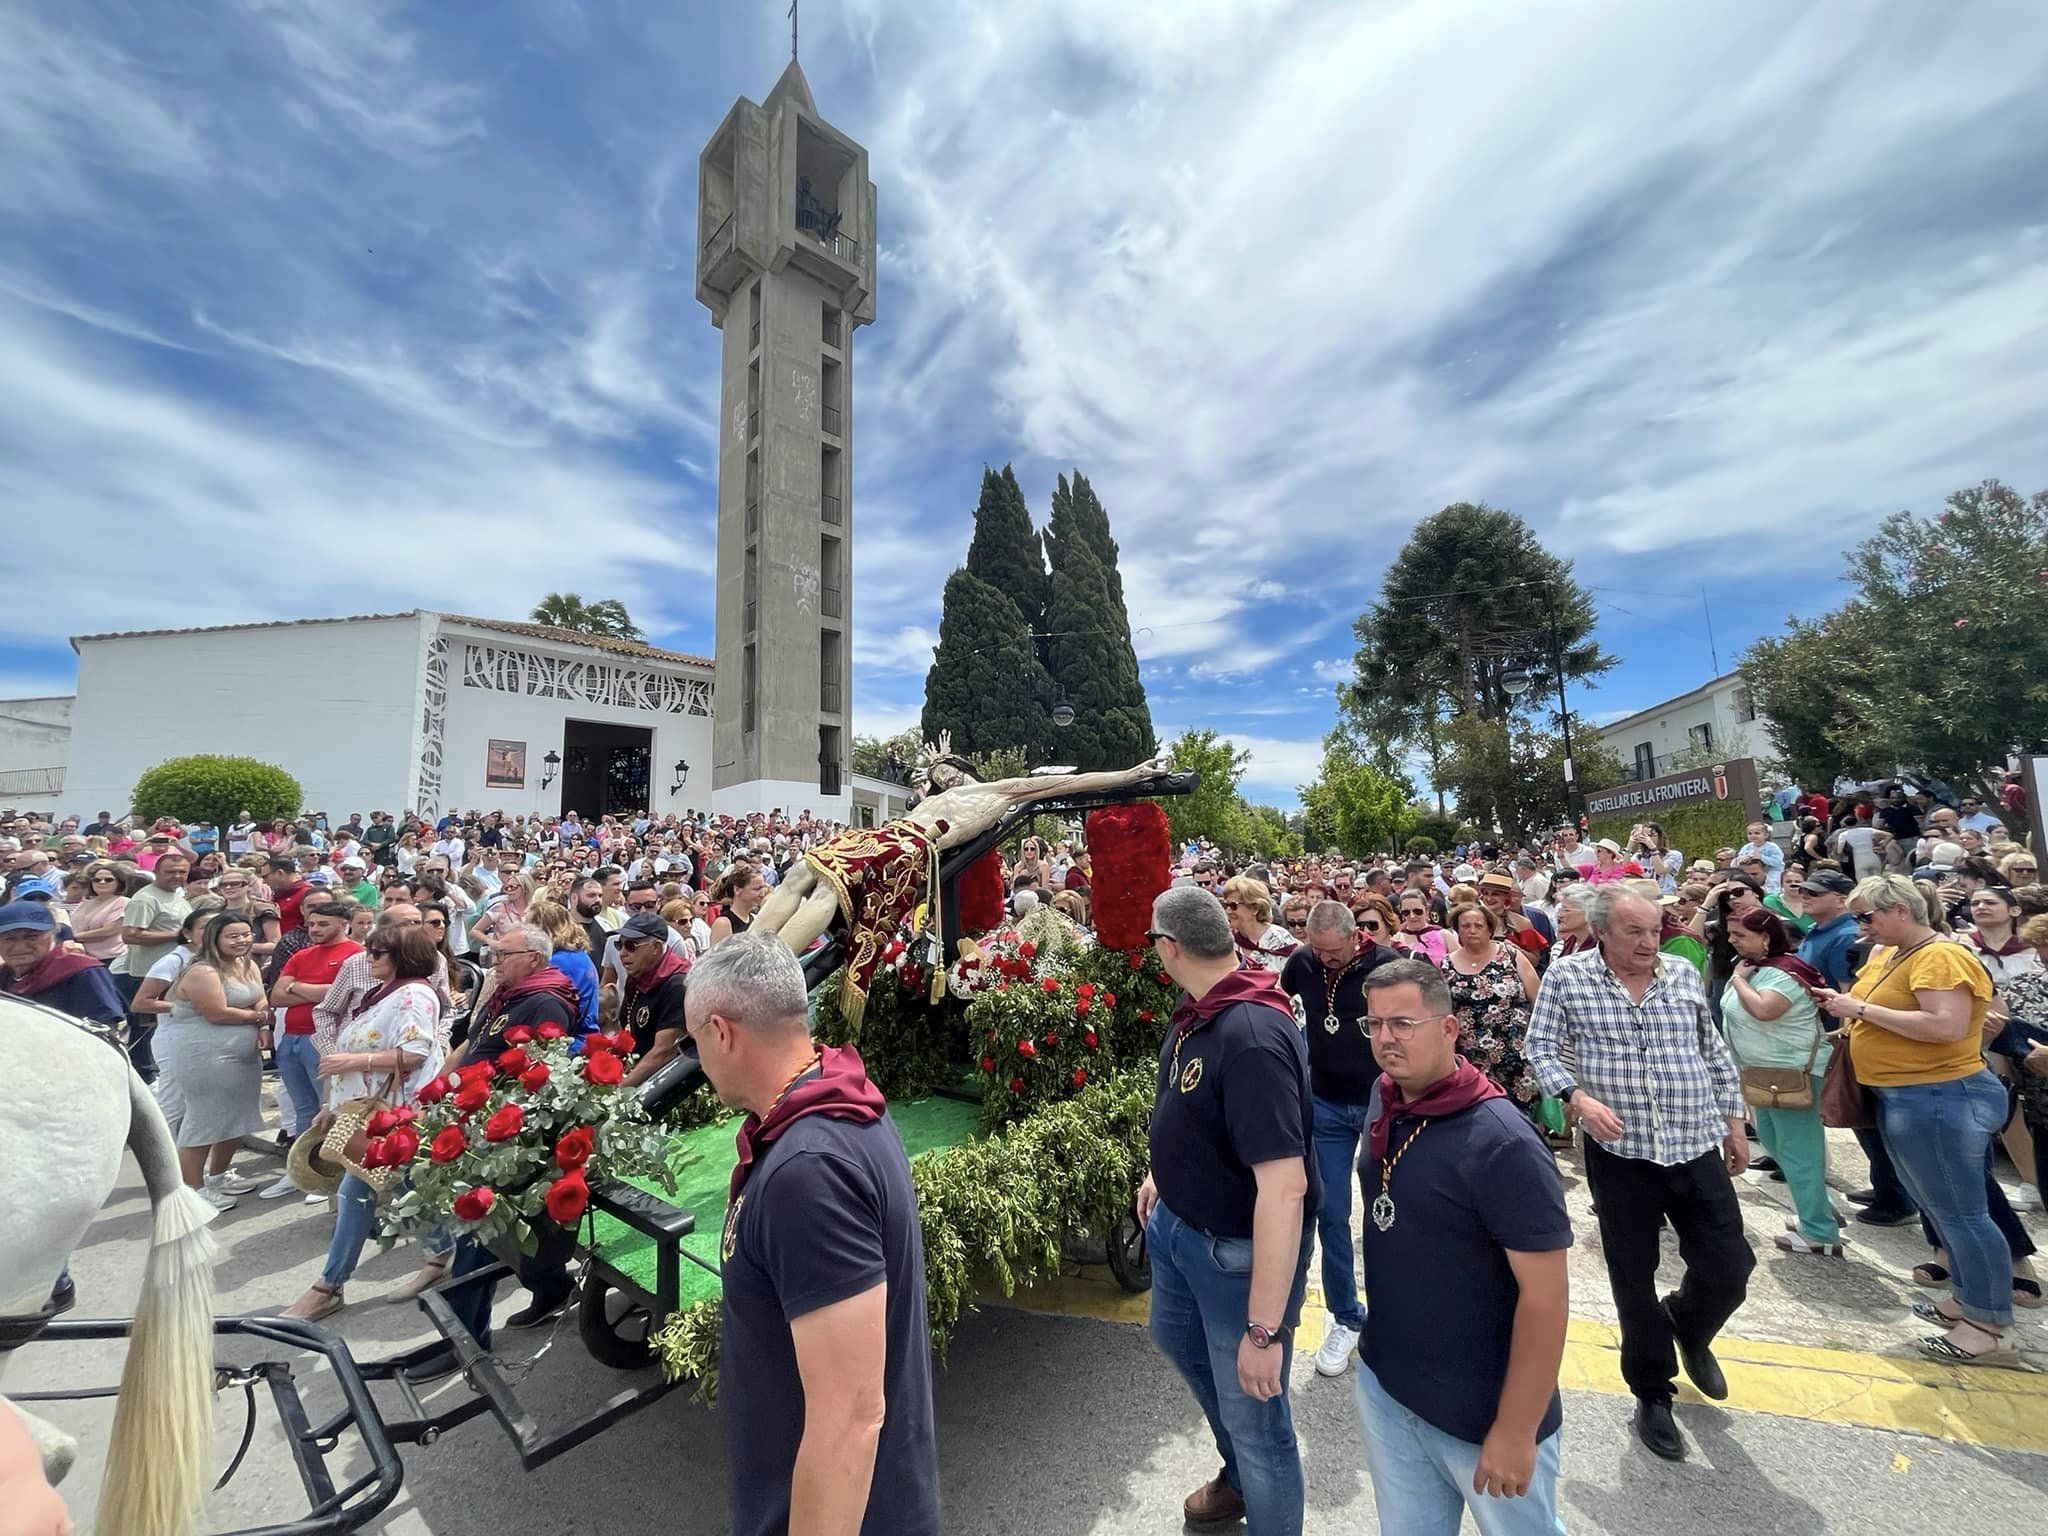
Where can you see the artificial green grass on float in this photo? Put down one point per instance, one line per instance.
(702, 1161)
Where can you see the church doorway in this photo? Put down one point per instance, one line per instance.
(607, 769)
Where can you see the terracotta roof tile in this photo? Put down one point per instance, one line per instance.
(615, 646)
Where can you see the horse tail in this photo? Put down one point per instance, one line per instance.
(160, 1453)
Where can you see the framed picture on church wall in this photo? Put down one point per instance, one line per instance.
(504, 764)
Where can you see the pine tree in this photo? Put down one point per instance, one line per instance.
(985, 685)
(1005, 552)
(1092, 661)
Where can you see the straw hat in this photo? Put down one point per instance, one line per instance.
(308, 1169)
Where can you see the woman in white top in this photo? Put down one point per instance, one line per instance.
(388, 1049)
(149, 997)
(1648, 846)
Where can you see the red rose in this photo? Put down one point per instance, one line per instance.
(567, 1197)
(1028, 951)
(1162, 979)
(535, 1077)
(1051, 1038)
(573, 1148)
(373, 1152)
(508, 1122)
(434, 1090)
(1086, 989)
(518, 1034)
(401, 1146)
(1137, 959)
(475, 1204)
(512, 1061)
(1016, 1085)
(472, 1096)
(1109, 999)
(1026, 1049)
(405, 1114)
(1146, 1015)
(602, 1068)
(549, 1031)
(476, 1072)
(1049, 986)
(990, 1036)
(449, 1145)
(988, 1065)
(622, 1043)
(380, 1122)
(1090, 1040)
(1080, 1076)
(1081, 1009)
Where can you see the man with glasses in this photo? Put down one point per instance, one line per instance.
(1625, 1036)
(1225, 1209)
(643, 899)
(1326, 979)
(1974, 817)
(1468, 1222)
(1205, 875)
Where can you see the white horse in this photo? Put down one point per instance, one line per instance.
(69, 1106)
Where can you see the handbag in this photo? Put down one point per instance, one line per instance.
(350, 1133)
(1845, 1103)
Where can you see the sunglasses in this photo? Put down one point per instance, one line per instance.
(1862, 918)
(1371, 925)
(642, 906)
(1297, 922)
(1232, 906)
(377, 951)
(1153, 936)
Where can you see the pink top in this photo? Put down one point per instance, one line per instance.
(99, 914)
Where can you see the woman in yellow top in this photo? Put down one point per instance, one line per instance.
(1916, 1022)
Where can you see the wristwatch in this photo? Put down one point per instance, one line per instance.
(1566, 1096)
(1263, 1337)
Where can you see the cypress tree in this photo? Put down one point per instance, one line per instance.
(1005, 552)
(981, 683)
(1093, 662)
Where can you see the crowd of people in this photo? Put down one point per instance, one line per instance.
(365, 958)
(1439, 1030)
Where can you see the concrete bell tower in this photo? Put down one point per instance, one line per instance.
(786, 265)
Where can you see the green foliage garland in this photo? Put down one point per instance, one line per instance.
(996, 1211)
(207, 787)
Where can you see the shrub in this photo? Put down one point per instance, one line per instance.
(1421, 847)
(205, 787)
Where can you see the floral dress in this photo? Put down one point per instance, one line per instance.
(1493, 1018)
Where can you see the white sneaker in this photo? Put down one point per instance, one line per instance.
(1334, 1358)
(278, 1188)
(234, 1183)
(216, 1197)
(314, 1200)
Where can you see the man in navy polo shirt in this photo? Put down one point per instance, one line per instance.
(824, 1356)
(1326, 979)
(1225, 1209)
(1466, 1287)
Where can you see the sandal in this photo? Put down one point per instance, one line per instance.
(1799, 1242)
(432, 1271)
(1929, 1275)
(2026, 1291)
(1930, 1311)
(318, 1302)
(2003, 1352)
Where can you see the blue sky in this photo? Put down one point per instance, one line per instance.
(333, 306)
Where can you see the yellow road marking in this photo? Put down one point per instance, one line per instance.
(2005, 1410)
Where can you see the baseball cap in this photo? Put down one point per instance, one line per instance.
(1827, 882)
(643, 925)
(31, 916)
(352, 862)
(35, 885)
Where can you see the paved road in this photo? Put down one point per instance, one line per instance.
(1055, 1424)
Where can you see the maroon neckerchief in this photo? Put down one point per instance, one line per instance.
(46, 973)
(1465, 1086)
(1259, 986)
(546, 979)
(2011, 946)
(1798, 970)
(1249, 949)
(671, 964)
(841, 1090)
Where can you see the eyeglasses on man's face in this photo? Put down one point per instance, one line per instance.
(642, 906)
(1395, 1025)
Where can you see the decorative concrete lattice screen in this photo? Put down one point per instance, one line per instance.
(508, 669)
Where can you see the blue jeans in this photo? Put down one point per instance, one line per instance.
(1338, 1127)
(1939, 1135)
(355, 1223)
(296, 1060)
(1422, 1477)
(1201, 1300)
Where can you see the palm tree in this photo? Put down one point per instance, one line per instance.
(565, 610)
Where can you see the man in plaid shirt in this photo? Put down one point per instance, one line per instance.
(1625, 1036)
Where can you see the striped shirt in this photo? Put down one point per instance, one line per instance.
(1660, 1064)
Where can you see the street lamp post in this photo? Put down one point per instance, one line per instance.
(1573, 803)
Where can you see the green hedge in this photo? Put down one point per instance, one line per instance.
(1694, 830)
(206, 787)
